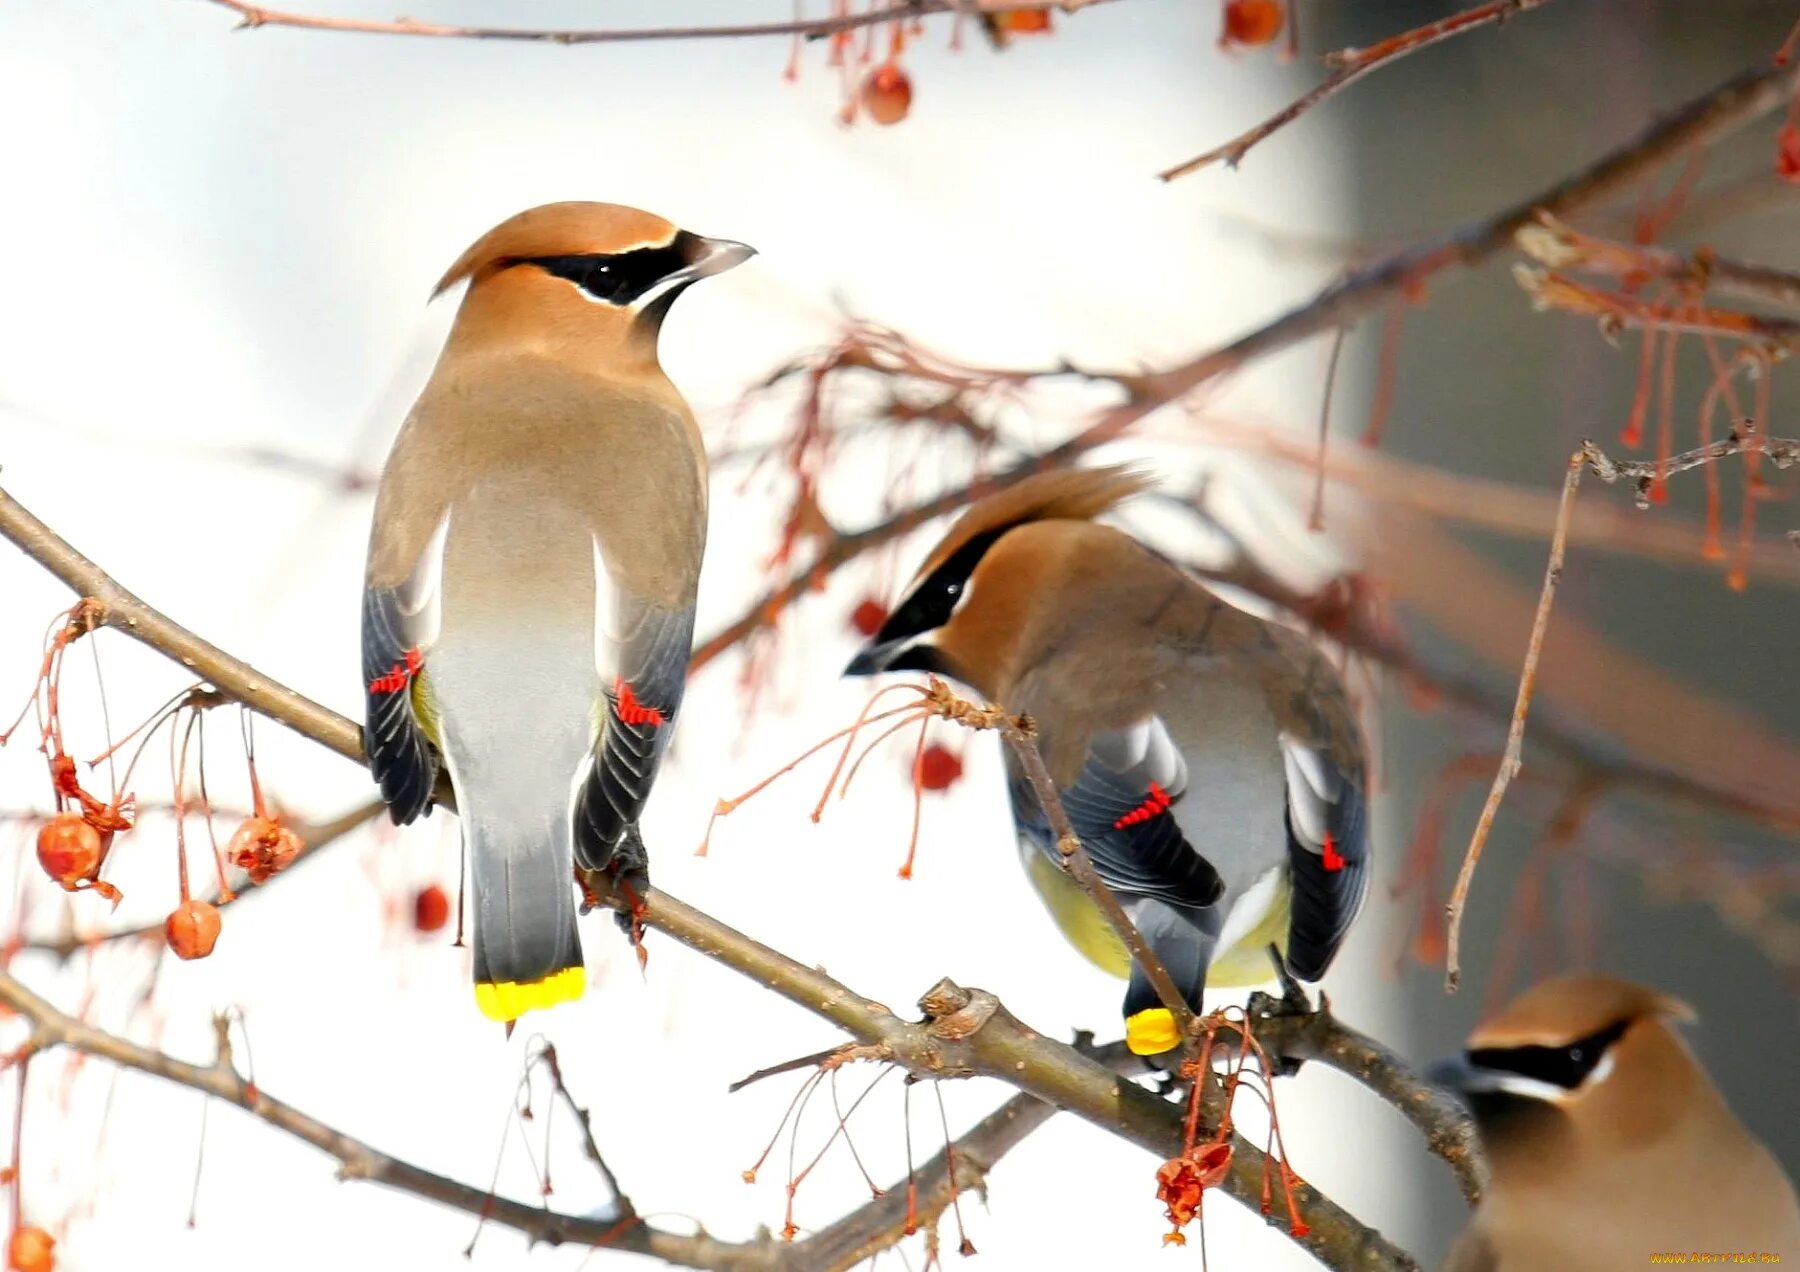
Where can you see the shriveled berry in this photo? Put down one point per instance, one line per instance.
(887, 94)
(939, 768)
(31, 1250)
(1252, 22)
(192, 929)
(431, 908)
(70, 850)
(262, 846)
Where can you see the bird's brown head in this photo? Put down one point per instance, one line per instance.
(962, 613)
(1576, 1063)
(580, 269)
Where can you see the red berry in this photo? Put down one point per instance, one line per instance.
(868, 616)
(192, 929)
(1252, 21)
(1787, 153)
(262, 846)
(938, 768)
(69, 850)
(31, 1250)
(887, 94)
(431, 908)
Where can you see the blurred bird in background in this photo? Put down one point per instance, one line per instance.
(529, 599)
(1209, 759)
(1607, 1141)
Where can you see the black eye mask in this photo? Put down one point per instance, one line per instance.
(932, 602)
(618, 278)
(1566, 1067)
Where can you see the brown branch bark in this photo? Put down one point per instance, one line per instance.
(358, 1160)
(254, 15)
(1319, 1035)
(1560, 246)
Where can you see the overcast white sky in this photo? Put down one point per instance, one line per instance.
(226, 240)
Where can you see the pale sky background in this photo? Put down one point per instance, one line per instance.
(225, 240)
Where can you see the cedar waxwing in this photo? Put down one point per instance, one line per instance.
(1209, 759)
(529, 602)
(1606, 1141)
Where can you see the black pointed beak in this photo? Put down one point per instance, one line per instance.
(874, 657)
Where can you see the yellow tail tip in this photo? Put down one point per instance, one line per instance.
(1151, 1032)
(508, 1000)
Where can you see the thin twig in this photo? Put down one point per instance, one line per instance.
(1515, 734)
(1352, 65)
(1551, 242)
(1023, 741)
(253, 15)
(1782, 452)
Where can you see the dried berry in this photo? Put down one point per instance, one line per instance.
(31, 1250)
(1252, 22)
(431, 908)
(887, 94)
(192, 929)
(1181, 1184)
(70, 850)
(938, 768)
(262, 846)
(868, 616)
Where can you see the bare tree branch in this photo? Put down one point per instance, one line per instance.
(1352, 65)
(254, 15)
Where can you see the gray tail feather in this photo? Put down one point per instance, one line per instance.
(1183, 939)
(522, 882)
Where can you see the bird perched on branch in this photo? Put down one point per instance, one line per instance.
(529, 601)
(1607, 1142)
(1208, 759)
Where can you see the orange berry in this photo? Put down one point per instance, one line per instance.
(69, 850)
(192, 929)
(868, 616)
(1024, 21)
(1252, 22)
(262, 846)
(887, 94)
(939, 768)
(431, 908)
(31, 1250)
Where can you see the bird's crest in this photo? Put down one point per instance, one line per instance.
(1065, 494)
(1567, 1008)
(558, 229)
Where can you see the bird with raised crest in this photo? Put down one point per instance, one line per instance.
(528, 604)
